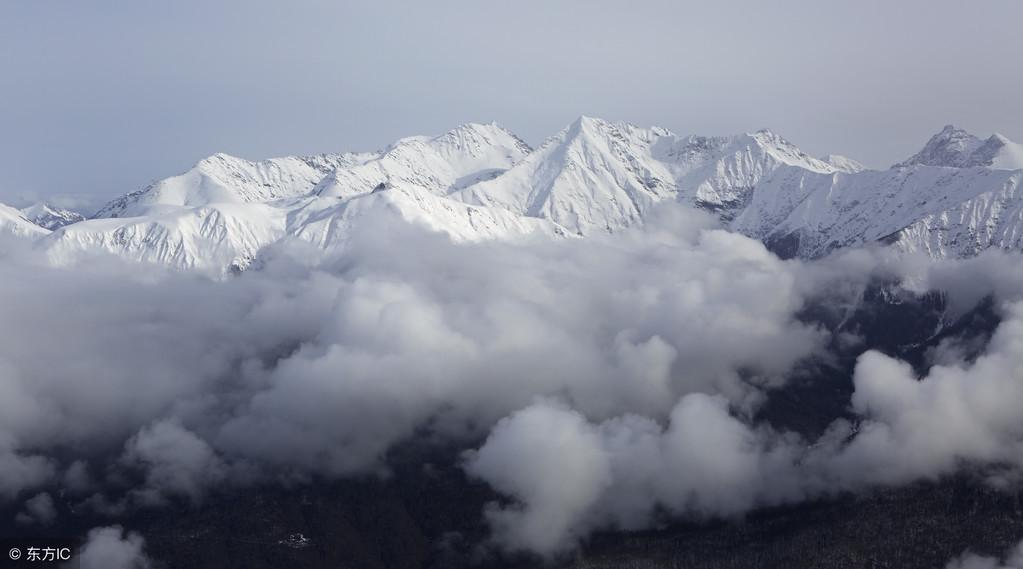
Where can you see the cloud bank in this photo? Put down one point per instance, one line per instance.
(310, 366)
(612, 381)
(707, 460)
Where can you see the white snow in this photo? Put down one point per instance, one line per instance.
(843, 163)
(13, 222)
(440, 165)
(1009, 155)
(957, 196)
(50, 217)
(212, 237)
(226, 179)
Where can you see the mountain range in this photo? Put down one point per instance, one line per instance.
(959, 195)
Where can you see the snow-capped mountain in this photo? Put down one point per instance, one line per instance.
(809, 215)
(49, 216)
(957, 196)
(597, 176)
(222, 212)
(843, 163)
(440, 165)
(226, 179)
(215, 238)
(956, 148)
(14, 223)
(327, 223)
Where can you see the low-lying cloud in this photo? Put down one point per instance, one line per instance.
(613, 380)
(569, 476)
(319, 367)
(925, 427)
(707, 460)
(1012, 560)
(113, 548)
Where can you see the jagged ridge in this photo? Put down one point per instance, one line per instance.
(957, 196)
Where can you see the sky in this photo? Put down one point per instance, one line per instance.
(100, 98)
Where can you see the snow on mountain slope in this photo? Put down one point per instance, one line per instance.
(955, 148)
(809, 215)
(957, 196)
(210, 238)
(327, 222)
(953, 198)
(224, 211)
(50, 217)
(442, 164)
(226, 179)
(13, 223)
(592, 176)
(721, 173)
(597, 176)
(843, 163)
(991, 219)
(1009, 154)
(227, 236)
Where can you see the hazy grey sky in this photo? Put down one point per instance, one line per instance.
(101, 97)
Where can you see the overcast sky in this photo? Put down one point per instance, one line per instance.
(101, 97)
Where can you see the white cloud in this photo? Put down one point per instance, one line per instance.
(1013, 560)
(176, 462)
(553, 462)
(39, 509)
(113, 548)
(658, 345)
(927, 427)
(569, 476)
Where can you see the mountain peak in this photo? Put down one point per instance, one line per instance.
(767, 136)
(13, 222)
(217, 161)
(50, 217)
(476, 137)
(222, 178)
(475, 128)
(588, 120)
(786, 152)
(593, 177)
(441, 164)
(951, 147)
(594, 128)
(587, 124)
(954, 147)
(480, 127)
(1001, 153)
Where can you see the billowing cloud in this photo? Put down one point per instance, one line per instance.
(707, 460)
(958, 413)
(1013, 560)
(39, 509)
(635, 362)
(319, 367)
(569, 476)
(113, 548)
(176, 462)
(454, 337)
(566, 471)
